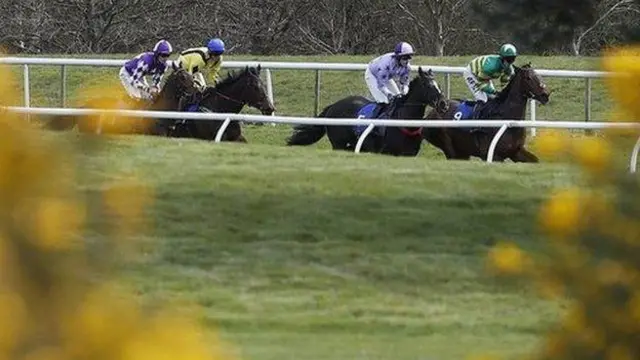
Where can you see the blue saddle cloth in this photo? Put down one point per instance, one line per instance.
(464, 111)
(192, 107)
(366, 112)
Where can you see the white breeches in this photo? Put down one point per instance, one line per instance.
(378, 95)
(132, 90)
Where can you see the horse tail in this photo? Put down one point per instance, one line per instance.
(60, 123)
(308, 134)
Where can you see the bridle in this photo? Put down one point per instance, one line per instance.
(418, 131)
(239, 102)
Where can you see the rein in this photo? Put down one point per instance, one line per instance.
(227, 97)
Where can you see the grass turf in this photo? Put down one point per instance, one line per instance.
(313, 254)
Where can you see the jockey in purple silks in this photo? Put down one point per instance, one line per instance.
(155, 63)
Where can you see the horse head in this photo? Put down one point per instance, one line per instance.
(427, 90)
(530, 83)
(179, 86)
(246, 88)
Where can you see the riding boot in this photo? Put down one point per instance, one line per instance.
(390, 108)
(378, 110)
(476, 108)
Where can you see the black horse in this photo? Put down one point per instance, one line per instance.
(179, 88)
(228, 96)
(509, 104)
(399, 141)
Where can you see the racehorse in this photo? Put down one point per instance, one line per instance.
(509, 104)
(228, 96)
(179, 88)
(398, 141)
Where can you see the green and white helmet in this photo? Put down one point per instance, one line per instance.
(508, 50)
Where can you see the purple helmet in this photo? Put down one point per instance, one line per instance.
(163, 47)
(403, 48)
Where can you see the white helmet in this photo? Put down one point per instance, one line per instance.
(403, 48)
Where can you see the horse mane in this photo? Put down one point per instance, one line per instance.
(502, 95)
(232, 76)
(416, 79)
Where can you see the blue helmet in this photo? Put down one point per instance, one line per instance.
(163, 47)
(216, 46)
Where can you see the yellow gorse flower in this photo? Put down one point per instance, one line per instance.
(593, 235)
(593, 154)
(560, 215)
(551, 143)
(52, 305)
(624, 63)
(507, 258)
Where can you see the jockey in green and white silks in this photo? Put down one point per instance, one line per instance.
(481, 70)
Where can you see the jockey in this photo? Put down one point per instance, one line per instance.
(481, 70)
(148, 63)
(388, 73)
(208, 58)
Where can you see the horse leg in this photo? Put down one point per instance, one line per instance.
(440, 138)
(524, 155)
(342, 138)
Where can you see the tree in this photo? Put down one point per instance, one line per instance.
(438, 21)
(538, 25)
(613, 17)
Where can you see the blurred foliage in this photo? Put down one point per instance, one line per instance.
(593, 236)
(59, 296)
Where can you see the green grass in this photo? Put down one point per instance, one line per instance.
(294, 89)
(313, 254)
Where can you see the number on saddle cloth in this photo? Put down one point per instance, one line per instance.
(366, 112)
(464, 110)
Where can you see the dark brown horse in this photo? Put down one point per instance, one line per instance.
(509, 104)
(178, 88)
(228, 96)
(398, 141)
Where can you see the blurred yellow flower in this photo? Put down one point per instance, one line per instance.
(560, 215)
(619, 352)
(507, 258)
(575, 319)
(591, 339)
(46, 353)
(13, 312)
(60, 305)
(624, 63)
(633, 306)
(613, 272)
(550, 143)
(57, 221)
(554, 346)
(593, 153)
(548, 286)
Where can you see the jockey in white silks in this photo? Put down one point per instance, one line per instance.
(387, 76)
